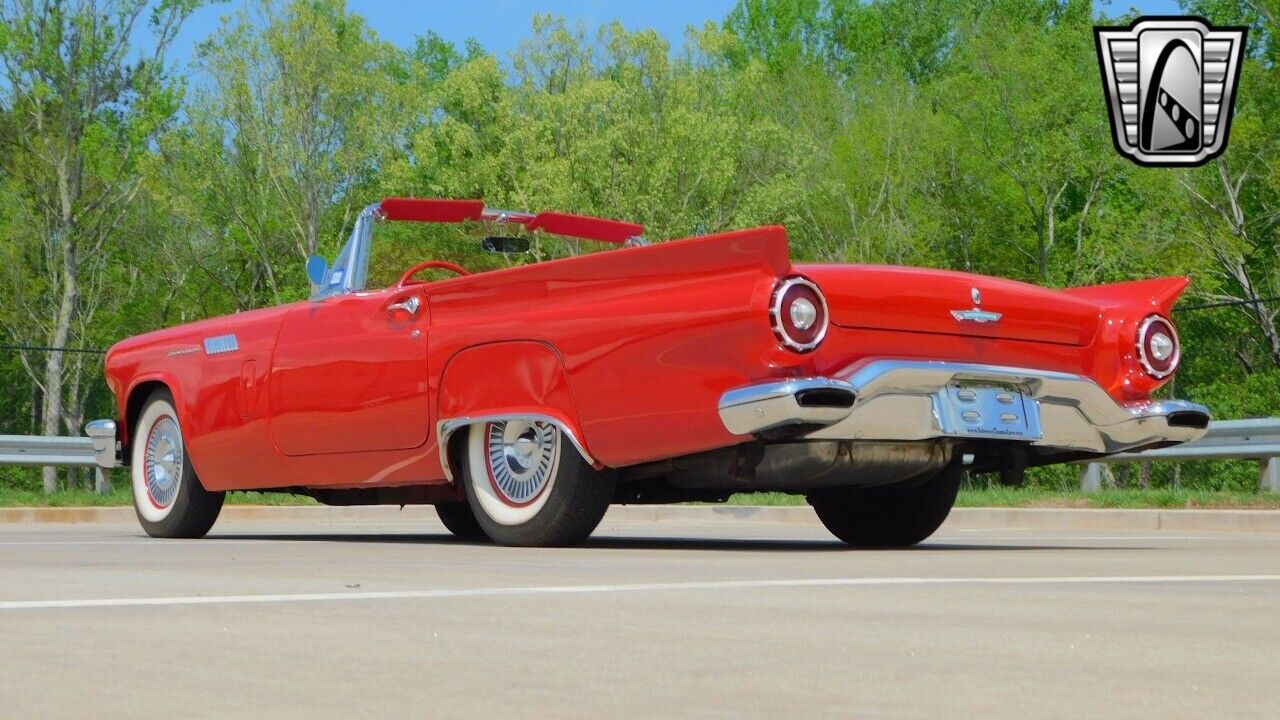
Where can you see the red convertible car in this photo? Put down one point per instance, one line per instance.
(521, 402)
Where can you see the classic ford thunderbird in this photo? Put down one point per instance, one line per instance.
(523, 401)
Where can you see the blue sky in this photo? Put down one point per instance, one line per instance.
(499, 25)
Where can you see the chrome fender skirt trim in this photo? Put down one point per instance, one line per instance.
(446, 428)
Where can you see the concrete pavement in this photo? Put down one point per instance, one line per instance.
(680, 618)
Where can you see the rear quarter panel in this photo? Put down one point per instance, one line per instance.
(648, 337)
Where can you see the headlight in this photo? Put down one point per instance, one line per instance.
(798, 314)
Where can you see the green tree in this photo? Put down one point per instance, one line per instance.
(84, 102)
(301, 107)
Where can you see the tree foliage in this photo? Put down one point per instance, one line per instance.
(950, 134)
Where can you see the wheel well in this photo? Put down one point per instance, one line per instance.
(457, 452)
(133, 407)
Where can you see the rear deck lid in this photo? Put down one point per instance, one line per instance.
(885, 297)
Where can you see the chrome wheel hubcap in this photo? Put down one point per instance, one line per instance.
(163, 462)
(522, 457)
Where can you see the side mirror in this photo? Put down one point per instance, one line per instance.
(318, 271)
(505, 245)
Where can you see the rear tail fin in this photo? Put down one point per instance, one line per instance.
(1158, 294)
(1125, 308)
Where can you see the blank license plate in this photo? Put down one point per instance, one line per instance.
(989, 412)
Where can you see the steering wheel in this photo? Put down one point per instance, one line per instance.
(407, 277)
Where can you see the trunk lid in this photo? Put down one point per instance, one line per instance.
(885, 297)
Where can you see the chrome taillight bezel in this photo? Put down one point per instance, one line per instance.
(777, 317)
(1152, 366)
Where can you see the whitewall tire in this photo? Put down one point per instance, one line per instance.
(167, 495)
(528, 485)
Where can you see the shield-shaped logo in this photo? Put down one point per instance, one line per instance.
(1170, 85)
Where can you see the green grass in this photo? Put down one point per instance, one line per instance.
(10, 497)
(1024, 497)
(1127, 498)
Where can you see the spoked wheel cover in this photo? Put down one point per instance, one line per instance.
(513, 467)
(162, 462)
(159, 462)
(522, 457)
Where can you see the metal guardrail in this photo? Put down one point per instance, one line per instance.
(41, 451)
(44, 451)
(1253, 439)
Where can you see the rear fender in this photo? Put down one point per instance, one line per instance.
(1124, 306)
(1148, 296)
(506, 380)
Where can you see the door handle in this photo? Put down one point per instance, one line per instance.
(409, 305)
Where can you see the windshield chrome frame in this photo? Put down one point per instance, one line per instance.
(353, 259)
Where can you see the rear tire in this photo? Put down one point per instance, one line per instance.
(896, 515)
(529, 486)
(458, 519)
(168, 497)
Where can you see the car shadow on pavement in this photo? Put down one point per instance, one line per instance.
(670, 543)
(782, 544)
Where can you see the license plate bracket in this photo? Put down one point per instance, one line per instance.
(984, 411)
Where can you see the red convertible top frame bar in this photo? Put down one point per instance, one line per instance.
(450, 211)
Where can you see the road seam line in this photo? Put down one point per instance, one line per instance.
(620, 588)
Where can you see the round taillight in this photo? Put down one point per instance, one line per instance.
(798, 313)
(1158, 348)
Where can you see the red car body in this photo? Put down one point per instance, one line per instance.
(632, 352)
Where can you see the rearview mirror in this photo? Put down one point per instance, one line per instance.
(506, 245)
(317, 271)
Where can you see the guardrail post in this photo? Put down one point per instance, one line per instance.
(101, 483)
(1270, 468)
(1091, 476)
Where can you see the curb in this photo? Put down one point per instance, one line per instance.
(1232, 521)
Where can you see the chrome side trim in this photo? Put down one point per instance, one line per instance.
(757, 408)
(446, 428)
(105, 446)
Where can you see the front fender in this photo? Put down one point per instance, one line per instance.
(126, 400)
(503, 380)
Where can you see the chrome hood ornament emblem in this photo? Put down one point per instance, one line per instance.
(976, 314)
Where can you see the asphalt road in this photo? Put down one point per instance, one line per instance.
(671, 619)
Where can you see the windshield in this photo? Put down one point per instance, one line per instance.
(456, 230)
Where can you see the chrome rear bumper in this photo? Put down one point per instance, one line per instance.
(904, 400)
